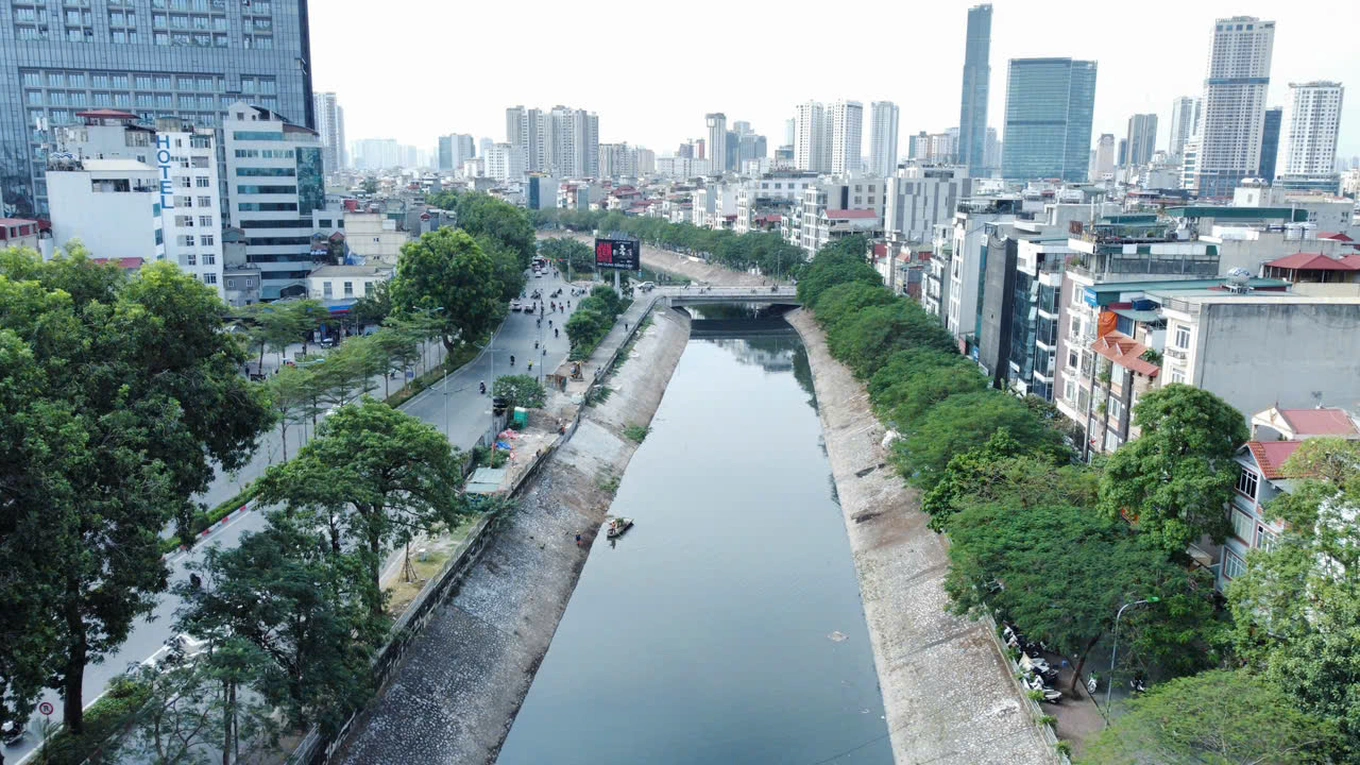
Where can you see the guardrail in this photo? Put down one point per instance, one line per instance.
(313, 749)
(1045, 731)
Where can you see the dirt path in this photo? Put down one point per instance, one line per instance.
(946, 688)
(461, 684)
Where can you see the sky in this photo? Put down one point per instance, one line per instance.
(416, 69)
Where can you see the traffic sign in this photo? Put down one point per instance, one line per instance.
(46, 708)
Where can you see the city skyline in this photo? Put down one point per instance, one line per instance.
(1129, 83)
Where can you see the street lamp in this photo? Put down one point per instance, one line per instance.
(1114, 652)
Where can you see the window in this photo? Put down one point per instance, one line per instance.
(182, 182)
(1116, 409)
(204, 202)
(326, 291)
(1069, 390)
(368, 289)
(201, 181)
(1177, 376)
(209, 259)
(186, 240)
(1244, 526)
(185, 202)
(1247, 485)
(1233, 565)
(1076, 326)
(191, 259)
(1182, 337)
(349, 289)
(210, 278)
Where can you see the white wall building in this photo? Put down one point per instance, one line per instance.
(504, 163)
(847, 137)
(717, 141)
(1235, 89)
(883, 139)
(1185, 116)
(346, 283)
(113, 206)
(193, 225)
(374, 237)
(1314, 122)
(812, 140)
(918, 198)
(330, 124)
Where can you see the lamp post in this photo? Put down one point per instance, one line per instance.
(1114, 652)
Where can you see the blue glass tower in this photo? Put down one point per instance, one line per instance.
(977, 74)
(154, 58)
(1050, 103)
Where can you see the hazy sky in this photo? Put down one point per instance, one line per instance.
(416, 69)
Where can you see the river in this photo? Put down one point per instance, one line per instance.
(726, 626)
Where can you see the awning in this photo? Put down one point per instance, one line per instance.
(1126, 352)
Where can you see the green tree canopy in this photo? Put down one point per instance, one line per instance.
(1176, 477)
(482, 215)
(563, 251)
(445, 271)
(373, 475)
(964, 422)
(374, 307)
(1061, 573)
(1221, 717)
(520, 390)
(132, 392)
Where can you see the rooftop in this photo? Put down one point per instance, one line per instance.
(1271, 456)
(1319, 422)
(1126, 352)
(1306, 261)
(326, 272)
(850, 214)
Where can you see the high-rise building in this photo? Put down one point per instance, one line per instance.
(563, 142)
(454, 149)
(330, 124)
(377, 154)
(106, 54)
(977, 74)
(790, 132)
(993, 154)
(1142, 139)
(1235, 88)
(1272, 123)
(1314, 121)
(811, 147)
(883, 138)
(275, 182)
(1050, 103)
(742, 127)
(847, 136)
(505, 162)
(1104, 160)
(717, 140)
(1185, 114)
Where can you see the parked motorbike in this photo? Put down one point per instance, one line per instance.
(1092, 683)
(11, 733)
(1050, 695)
(1138, 684)
(1039, 667)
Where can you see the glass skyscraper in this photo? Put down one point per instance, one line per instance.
(1050, 104)
(977, 74)
(154, 58)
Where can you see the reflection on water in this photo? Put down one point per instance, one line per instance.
(726, 626)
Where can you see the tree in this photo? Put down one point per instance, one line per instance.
(482, 215)
(510, 275)
(568, 252)
(286, 593)
(520, 390)
(278, 325)
(867, 338)
(1230, 717)
(1061, 573)
(836, 264)
(145, 388)
(370, 185)
(375, 473)
(194, 709)
(1296, 609)
(965, 422)
(400, 349)
(445, 271)
(584, 327)
(374, 307)
(1177, 477)
(288, 395)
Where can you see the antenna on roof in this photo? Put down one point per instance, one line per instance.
(1317, 396)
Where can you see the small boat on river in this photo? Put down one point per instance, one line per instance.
(617, 526)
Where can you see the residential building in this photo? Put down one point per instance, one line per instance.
(540, 192)
(330, 124)
(968, 257)
(920, 197)
(1017, 329)
(1235, 89)
(106, 54)
(1314, 122)
(111, 205)
(812, 144)
(1050, 103)
(530, 132)
(504, 162)
(847, 123)
(453, 150)
(618, 160)
(717, 140)
(834, 209)
(275, 181)
(19, 232)
(977, 73)
(992, 165)
(774, 194)
(883, 139)
(1185, 115)
(750, 148)
(377, 154)
(192, 225)
(1275, 435)
(575, 137)
(374, 237)
(1142, 139)
(342, 286)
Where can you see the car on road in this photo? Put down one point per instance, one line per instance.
(516, 306)
(647, 286)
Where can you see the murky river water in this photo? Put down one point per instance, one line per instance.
(726, 626)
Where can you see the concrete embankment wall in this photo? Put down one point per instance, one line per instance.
(947, 689)
(463, 680)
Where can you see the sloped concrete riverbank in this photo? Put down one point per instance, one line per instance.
(461, 684)
(946, 688)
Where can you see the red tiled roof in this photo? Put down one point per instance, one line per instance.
(1271, 456)
(1336, 236)
(880, 250)
(18, 222)
(851, 214)
(1126, 352)
(107, 114)
(127, 264)
(1306, 261)
(1319, 422)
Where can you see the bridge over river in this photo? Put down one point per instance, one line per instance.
(693, 295)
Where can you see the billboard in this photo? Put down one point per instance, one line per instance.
(618, 254)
